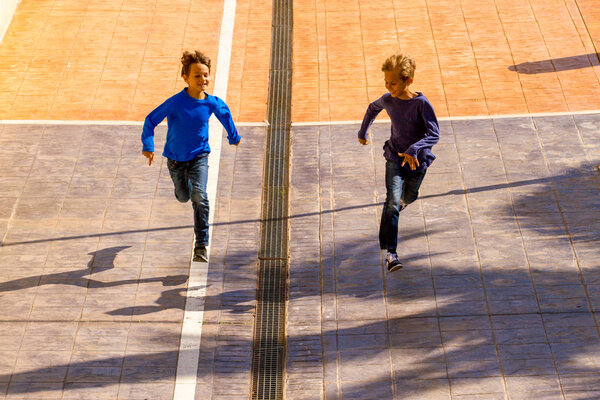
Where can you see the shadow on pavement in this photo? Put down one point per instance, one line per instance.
(428, 345)
(105, 258)
(557, 64)
(443, 324)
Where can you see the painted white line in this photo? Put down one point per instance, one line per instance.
(530, 115)
(191, 333)
(69, 122)
(259, 124)
(88, 122)
(459, 118)
(310, 123)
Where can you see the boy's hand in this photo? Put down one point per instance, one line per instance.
(413, 163)
(149, 155)
(363, 141)
(238, 142)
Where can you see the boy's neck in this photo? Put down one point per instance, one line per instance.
(407, 95)
(196, 94)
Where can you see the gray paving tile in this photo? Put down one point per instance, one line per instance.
(364, 365)
(487, 396)
(32, 390)
(90, 390)
(469, 338)
(571, 334)
(458, 281)
(506, 277)
(581, 395)
(525, 351)
(421, 389)
(421, 308)
(473, 369)
(415, 339)
(522, 385)
(425, 370)
(533, 367)
(476, 386)
(581, 382)
(470, 353)
(413, 324)
(521, 335)
(146, 391)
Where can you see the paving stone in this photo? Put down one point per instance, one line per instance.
(434, 389)
(526, 367)
(437, 299)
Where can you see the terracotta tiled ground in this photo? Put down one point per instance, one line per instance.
(466, 53)
(119, 59)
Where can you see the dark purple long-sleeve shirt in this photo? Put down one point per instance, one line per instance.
(414, 128)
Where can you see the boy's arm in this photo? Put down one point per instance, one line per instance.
(153, 119)
(432, 132)
(224, 116)
(372, 111)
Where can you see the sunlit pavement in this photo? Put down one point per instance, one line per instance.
(499, 292)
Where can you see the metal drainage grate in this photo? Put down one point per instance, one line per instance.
(269, 332)
(269, 337)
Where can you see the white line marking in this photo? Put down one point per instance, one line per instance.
(310, 123)
(191, 333)
(69, 122)
(88, 122)
(463, 118)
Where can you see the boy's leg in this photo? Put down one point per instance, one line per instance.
(198, 174)
(410, 187)
(179, 176)
(388, 229)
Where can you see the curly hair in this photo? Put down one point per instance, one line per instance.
(402, 64)
(189, 58)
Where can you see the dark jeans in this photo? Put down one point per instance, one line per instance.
(402, 188)
(189, 178)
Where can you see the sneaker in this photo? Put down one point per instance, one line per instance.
(200, 254)
(392, 263)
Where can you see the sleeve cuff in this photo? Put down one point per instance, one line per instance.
(235, 140)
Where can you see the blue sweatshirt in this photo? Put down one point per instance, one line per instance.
(187, 120)
(414, 128)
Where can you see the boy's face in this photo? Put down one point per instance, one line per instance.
(396, 86)
(198, 77)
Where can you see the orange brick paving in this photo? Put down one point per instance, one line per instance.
(100, 60)
(116, 59)
(249, 73)
(465, 51)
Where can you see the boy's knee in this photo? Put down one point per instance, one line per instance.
(182, 197)
(409, 198)
(394, 202)
(200, 197)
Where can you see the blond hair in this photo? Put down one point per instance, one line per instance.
(401, 64)
(189, 58)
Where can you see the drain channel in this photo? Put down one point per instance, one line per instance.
(269, 332)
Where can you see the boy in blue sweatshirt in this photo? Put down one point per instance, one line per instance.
(186, 148)
(408, 150)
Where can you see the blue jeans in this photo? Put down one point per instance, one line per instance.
(189, 178)
(402, 187)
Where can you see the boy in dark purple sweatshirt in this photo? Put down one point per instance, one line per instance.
(408, 150)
